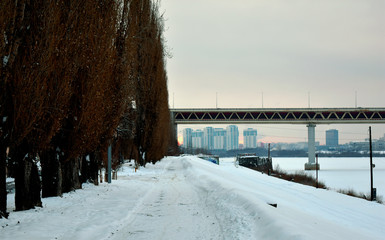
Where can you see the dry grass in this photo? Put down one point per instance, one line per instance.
(298, 177)
(352, 193)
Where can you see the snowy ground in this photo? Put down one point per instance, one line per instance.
(189, 198)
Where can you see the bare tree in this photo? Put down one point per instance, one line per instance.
(11, 22)
(23, 85)
(149, 75)
(71, 72)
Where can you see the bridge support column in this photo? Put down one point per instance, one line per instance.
(311, 165)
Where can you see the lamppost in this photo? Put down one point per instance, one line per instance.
(372, 190)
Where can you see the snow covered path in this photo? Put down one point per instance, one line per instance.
(171, 209)
(189, 198)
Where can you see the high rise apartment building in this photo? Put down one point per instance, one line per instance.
(197, 139)
(250, 138)
(187, 138)
(219, 139)
(232, 137)
(332, 138)
(208, 142)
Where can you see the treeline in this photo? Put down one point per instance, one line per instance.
(75, 77)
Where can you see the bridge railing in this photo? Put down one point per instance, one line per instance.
(284, 116)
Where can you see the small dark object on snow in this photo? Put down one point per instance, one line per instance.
(273, 204)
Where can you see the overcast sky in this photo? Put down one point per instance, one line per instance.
(277, 54)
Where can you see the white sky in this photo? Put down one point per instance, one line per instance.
(289, 50)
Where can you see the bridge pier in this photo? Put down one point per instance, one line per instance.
(311, 164)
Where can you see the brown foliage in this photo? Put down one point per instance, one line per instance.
(96, 100)
(69, 73)
(150, 81)
(38, 75)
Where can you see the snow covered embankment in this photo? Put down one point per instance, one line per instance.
(189, 198)
(303, 212)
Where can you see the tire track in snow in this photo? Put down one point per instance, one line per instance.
(120, 225)
(173, 209)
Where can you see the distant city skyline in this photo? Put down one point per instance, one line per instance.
(277, 54)
(284, 133)
(211, 138)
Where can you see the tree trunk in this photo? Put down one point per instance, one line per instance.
(94, 167)
(70, 173)
(84, 169)
(51, 174)
(27, 181)
(89, 169)
(3, 183)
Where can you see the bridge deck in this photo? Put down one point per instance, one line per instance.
(279, 115)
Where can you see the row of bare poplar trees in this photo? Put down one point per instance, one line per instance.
(76, 76)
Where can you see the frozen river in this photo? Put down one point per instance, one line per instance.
(340, 173)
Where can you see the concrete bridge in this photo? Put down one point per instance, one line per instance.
(308, 116)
